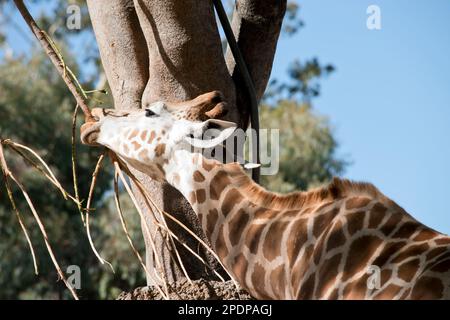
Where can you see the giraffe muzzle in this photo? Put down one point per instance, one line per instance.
(89, 133)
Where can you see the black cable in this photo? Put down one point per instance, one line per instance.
(254, 117)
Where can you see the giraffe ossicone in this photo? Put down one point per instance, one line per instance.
(343, 241)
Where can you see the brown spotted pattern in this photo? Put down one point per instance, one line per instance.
(328, 243)
(321, 249)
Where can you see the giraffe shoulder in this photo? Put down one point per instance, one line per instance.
(340, 188)
(337, 189)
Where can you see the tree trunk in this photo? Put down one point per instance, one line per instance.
(171, 50)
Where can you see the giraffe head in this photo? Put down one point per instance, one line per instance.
(147, 138)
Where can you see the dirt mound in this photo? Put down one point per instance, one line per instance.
(183, 290)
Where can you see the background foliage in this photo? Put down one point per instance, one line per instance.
(36, 110)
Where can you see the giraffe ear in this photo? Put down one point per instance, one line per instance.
(211, 133)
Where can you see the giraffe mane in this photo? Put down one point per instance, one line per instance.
(336, 189)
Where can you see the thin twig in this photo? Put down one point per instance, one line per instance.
(56, 183)
(88, 209)
(192, 252)
(165, 227)
(44, 234)
(50, 175)
(125, 229)
(40, 224)
(146, 195)
(74, 163)
(55, 58)
(164, 213)
(198, 239)
(174, 248)
(141, 214)
(15, 209)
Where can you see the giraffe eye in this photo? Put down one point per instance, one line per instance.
(149, 113)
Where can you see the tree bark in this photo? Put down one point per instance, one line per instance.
(171, 50)
(256, 26)
(122, 49)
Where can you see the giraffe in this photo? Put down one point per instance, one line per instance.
(345, 240)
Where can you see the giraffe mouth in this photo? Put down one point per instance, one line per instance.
(89, 133)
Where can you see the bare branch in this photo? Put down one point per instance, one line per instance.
(8, 174)
(5, 171)
(56, 59)
(88, 209)
(145, 225)
(120, 164)
(74, 162)
(125, 229)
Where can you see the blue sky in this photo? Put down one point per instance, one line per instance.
(389, 99)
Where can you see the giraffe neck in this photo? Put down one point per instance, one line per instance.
(205, 183)
(238, 217)
(312, 245)
(211, 188)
